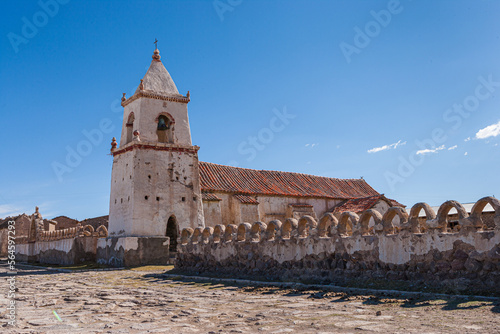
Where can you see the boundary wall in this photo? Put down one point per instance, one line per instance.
(465, 259)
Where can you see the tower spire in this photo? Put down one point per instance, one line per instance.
(156, 54)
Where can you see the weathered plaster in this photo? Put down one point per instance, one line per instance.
(133, 251)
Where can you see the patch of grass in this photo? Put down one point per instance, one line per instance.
(153, 268)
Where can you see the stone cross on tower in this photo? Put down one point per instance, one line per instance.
(156, 43)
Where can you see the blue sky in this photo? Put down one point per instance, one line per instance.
(405, 94)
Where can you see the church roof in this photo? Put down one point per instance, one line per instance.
(358, 205)
(222, 178)
(157, 79)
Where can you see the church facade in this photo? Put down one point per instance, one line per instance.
(159, 187)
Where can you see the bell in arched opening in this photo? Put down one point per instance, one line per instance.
(163, 123)
(164, 130)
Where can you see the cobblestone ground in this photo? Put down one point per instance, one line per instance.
(142, 301)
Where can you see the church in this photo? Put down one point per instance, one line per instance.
(159, 187)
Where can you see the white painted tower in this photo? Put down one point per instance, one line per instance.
(155, 183)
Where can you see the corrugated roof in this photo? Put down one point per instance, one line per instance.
(358, 205)
(222, 178)
(453, 211)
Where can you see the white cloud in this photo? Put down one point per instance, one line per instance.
(386, 147)
(467, 139)
(11, 210)
(434, 150)
(466, 153)
(452, 148)
(8, 210)
(492, 130)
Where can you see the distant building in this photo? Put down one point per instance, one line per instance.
(23, 226)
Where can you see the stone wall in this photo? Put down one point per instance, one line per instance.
(4, 242)
(338, 250)
(64, 247)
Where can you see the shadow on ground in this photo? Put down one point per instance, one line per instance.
(403, 299)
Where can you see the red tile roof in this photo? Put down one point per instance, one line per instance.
(246, 199)
(358, 205)
(396, 203)
(210, 197)
(264, 182)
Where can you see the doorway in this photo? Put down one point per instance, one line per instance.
(172, 233)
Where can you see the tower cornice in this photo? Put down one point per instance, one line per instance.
(155, 147)
(156, 96)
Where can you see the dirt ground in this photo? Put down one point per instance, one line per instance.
(141, 300)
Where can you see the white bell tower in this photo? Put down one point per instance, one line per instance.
(155, 183)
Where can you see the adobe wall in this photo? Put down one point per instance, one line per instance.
(65, 247)
(334, 250)
(64, 252)
(268, 209)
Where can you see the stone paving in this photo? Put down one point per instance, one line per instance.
(143, 301)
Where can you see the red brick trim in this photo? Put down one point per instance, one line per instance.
(192, 150)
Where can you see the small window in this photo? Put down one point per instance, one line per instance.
(194, 198)
(149, 177)
(146, 198)
(158, 198)
(183, 199)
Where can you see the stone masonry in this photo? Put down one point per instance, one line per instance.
(337, 250)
